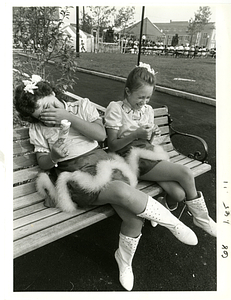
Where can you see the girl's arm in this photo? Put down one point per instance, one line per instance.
(94, 130)
(115, 143)
(47, 161)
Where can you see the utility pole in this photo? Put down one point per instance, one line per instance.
(83, 19)
(141, 33)
(77, 31)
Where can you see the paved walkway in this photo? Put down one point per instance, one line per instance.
(84, 261)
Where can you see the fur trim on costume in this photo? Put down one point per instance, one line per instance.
(45, 187)
(136, 153)
(88, 182)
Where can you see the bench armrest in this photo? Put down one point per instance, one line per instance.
(197, 154)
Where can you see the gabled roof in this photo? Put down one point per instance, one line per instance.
(72, 28)
(149, 29)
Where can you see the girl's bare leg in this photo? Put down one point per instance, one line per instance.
(131, 224)
(167, 171)
(122, 194)
(174, 192)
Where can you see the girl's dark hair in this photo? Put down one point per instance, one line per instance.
(138, 77)
(26, 102)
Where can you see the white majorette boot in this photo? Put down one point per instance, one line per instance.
(201, 216)
(124, 255)
(163, 201)
(157, 212)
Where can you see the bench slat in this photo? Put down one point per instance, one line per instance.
(36, 216)
(161, 111)
(201, 169)
(26, 174)
(194, 163)
(177, 158)
(53, 233)
(152, 190)
(24, 161)
(27, 200)
(168, 147)
(24, 189)
(21, 133)
(161, 121)
(23, 146)
(20, 213)
(56, 216)
(184, 161)
(164, 129)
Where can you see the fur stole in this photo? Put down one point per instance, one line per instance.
(58, 195)
(136, 153)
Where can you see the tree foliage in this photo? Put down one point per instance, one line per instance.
(201, 18)
(38, 30)
(101, 15)
(125, 14)
(86, 22)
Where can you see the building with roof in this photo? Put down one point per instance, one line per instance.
(150, 31)
(205, 38)
(86, 40)
(164, 33)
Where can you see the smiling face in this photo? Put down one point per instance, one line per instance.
(47, 102)
(140, 97)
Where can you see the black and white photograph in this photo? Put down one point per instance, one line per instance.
(118, 126)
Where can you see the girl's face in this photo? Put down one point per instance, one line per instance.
(140, 97)
(47, 102)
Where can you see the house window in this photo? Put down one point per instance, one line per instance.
(205, 35)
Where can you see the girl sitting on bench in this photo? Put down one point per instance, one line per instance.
(132, 134)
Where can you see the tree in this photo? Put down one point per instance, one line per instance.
(87, 22)
(101, 16)
(38, 29)
(125, 14)
(201, 18)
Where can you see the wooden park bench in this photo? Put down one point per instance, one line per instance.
(36, 225)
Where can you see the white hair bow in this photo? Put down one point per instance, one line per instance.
(148, 67)
(30, 85)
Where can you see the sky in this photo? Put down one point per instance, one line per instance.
(162, 13)
(165, 13)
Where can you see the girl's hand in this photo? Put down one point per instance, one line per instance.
(156, 130)
(59, 150)
(53, 116)
(144, 132)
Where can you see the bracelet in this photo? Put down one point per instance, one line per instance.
(54, 162)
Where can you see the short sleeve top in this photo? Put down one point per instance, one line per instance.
(43, 137)
(120, 116)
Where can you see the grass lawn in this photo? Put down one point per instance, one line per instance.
(202, 70)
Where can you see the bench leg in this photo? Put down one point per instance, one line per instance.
(181, 213)
(163, 201)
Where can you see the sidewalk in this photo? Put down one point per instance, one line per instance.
(84, 261)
